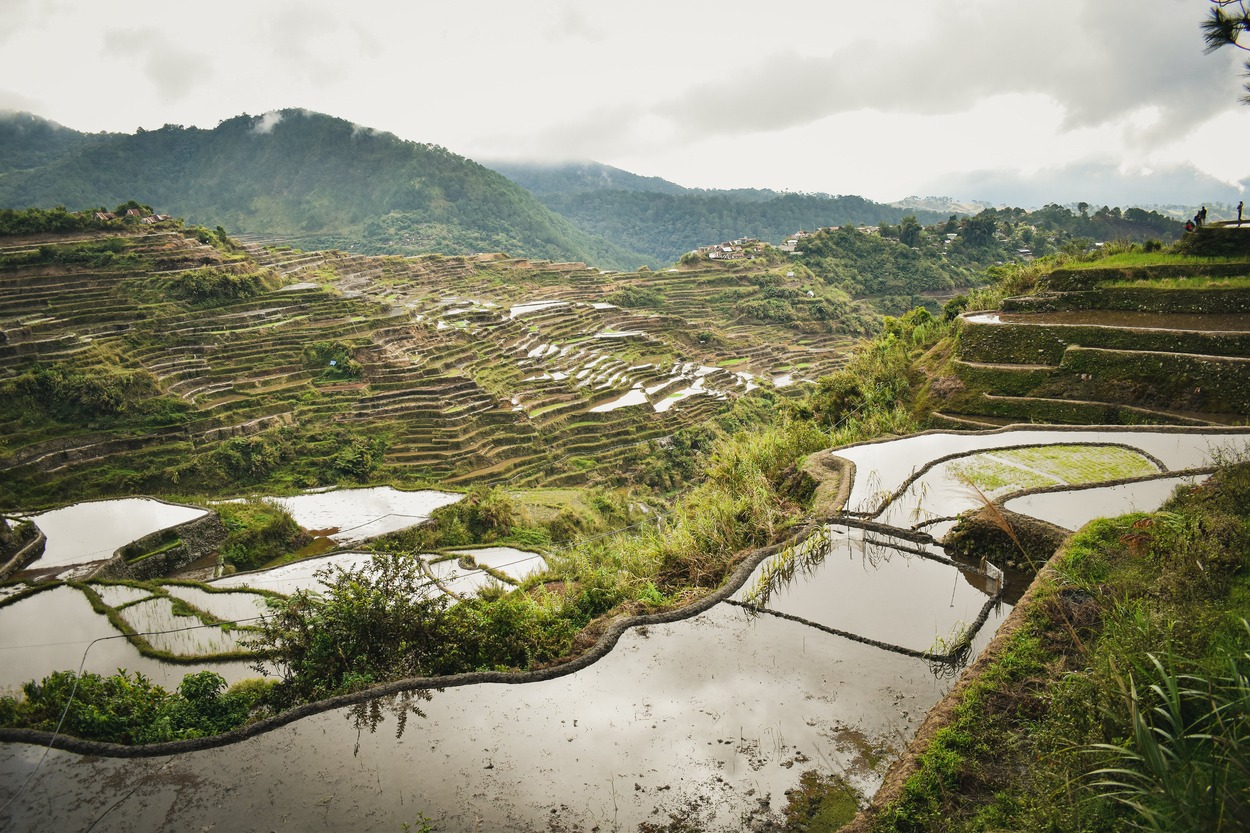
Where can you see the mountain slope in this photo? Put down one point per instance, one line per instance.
(312, 178)
(543, 179)
(27, 141)
(664, 220)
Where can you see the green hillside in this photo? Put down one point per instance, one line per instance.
(299, 176)
(665, 225)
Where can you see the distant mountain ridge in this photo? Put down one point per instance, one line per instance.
(544, 179)
(664, 220)
(316, 180)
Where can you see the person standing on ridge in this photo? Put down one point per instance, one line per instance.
(1202, 216)
(1239, 207)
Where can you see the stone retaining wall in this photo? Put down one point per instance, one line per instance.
(197, 537)
(29, 549)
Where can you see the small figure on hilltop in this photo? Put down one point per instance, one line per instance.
(1239, 207)
(1202, 215)
(1189, 225)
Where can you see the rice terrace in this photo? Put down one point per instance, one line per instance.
(348, 483)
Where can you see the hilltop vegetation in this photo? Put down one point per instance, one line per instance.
(296, 175)
(665, 220)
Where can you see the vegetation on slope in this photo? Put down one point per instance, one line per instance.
(1122, 700)
(301, 175)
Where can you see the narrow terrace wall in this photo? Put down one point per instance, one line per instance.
(193, 539)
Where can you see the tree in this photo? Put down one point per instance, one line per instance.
(909, 231)
(1229, 25)
(379, 621)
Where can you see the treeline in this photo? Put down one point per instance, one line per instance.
(59, 219)
(310, 178)
(894, 262)
(665, 226)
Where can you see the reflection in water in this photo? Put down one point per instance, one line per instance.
(886, 593)
(370, 713)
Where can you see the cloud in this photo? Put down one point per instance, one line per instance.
(310, 44)
(266, 123)
(572, 23)
(10, 100)
(1098, 62)
(1097, 183)
(173, 72)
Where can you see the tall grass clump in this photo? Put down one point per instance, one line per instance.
(1186, 762)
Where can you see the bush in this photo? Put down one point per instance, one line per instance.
(258, 532)
(215, 286)
(130, 709)
(382, 620)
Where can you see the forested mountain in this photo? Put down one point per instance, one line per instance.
(664, 220)
(27, 141)
(545, 179)
(316, 180)
(894, 263)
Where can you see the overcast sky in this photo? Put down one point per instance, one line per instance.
(1106, 101)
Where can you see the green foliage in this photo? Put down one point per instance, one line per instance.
(323, 179)
(211, 286)
(250, 459)
(1228, 25)
(867, 264)
(358, 457)
(665, 226)
(1186, 765)
(880, 375)
(1127, 679)
(514, 631)
(382, 620)
(130, 709)
(71, 393)
(636, 296)
(483, 516)
(332, 360)
(259, 531)
(39, 220)
(107, 253)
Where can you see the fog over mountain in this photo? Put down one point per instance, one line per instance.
(977, 99)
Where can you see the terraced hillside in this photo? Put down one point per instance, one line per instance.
(1165, 342)
(169, 357)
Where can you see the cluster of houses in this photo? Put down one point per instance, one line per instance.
(747, 247)
(150, 219)
(739, 249)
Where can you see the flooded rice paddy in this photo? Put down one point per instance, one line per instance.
(711, 718)
(91, 532)
(360, 514)
(1196, 322)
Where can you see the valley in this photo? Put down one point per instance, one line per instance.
(637, 527)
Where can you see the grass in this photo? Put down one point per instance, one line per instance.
(1139, 258)
(1120, 701)
(991, 475)
(1197, 282)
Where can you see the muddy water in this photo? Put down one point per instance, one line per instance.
(1072, 509)
(711, 719)
(360, 514)
(720, 712)
(866, 586)
(87, 532)
(1215, 322)
(51, 631)
(518, 564)
(299, 575)
(882, 468)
